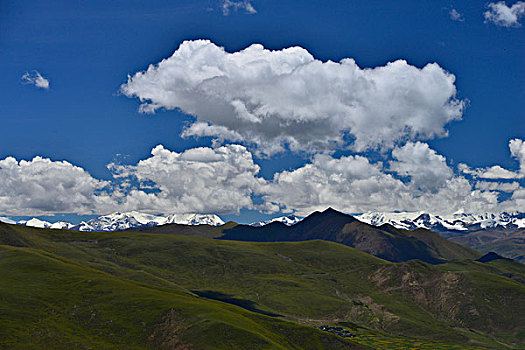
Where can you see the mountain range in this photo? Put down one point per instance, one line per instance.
(459, 222)
(502, 233)
(327, 282)
(385, 241)
(122, 221)
(448, 225)
(289, 220)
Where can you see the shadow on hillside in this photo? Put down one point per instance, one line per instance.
(226, 298)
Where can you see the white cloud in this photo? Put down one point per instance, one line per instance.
(427, 170)
(502, 15)
(349, 183)
(456, 16)
(497, 186)
(36, 79)
(42, 186)
(354, 185)
(493, 172)
(229, 5)
(225, 179)
(199, 180)
(286, 98)
(517, 202)
(517, 150)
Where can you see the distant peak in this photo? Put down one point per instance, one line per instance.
(329, 214)
(332, 211)
(491, 256)
(329, 210)
(289, 220)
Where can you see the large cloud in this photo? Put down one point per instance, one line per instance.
(287, 98)
(502, 15)
(42, 186)
(354, 184)
(225, 179)
(199, 180)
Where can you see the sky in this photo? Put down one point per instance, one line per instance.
(256, 109)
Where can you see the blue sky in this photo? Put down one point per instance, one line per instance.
(87, 50)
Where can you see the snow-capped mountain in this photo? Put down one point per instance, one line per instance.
(122, 221)
(62, 225)
(7, 220)
(34, 222)
(194, 219)
(454, 222)
(289, 220)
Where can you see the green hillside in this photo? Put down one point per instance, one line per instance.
(69, 289)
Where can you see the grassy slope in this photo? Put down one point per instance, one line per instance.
(308, 282)
(507, 242)
(49, 302)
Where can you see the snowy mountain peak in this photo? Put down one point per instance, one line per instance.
(289, 220)
(122, 221)
(61, 225)
(34, 222)
(454, 222)
(7, 220)
(194, 219)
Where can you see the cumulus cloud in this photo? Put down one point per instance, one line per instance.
(502, 15)
(427, 170)
(350, 183)
(456, 16)
(199, 180)
(497, 186)
(517, 151)
(225, 179)
(36, 79)
(517, 201)
(354, 184)
(229, 5)
(273, 100)
(42, 186)
(493, 172)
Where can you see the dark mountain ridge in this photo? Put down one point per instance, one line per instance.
(385, 242)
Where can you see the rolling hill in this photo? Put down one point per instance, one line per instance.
(125, 290)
